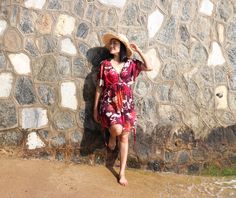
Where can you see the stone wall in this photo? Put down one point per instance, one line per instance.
(50, 52)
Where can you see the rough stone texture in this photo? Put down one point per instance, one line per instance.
(24, 91)
(34, 141)
(6, 80)
(64, 120)
(186, 106)
(11, 138)
(20, 62)
(33, 118)
(47, 94)
(12, 45)
(8, 114)
(45, 69)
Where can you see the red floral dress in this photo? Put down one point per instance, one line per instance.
(116, 105)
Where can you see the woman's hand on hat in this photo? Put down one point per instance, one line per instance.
(134, 47)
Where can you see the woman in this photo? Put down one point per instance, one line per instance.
(114, 105)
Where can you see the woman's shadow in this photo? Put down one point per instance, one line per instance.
(93, 140)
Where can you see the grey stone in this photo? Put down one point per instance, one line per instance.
(169, 156)
(130, 15)
(232, 81)
(163, 92)
(201, 27)
(206, 97)
(156, 165)
(147, 5)
(163, 4)
(26, 23)
(64, 120)
(209, 118)
(11, 138)
(182, 54)
(165, 52)
(184, 33)
(166, 34)
(226, 118)
(43, 134)
(54, 5)
(193, 89)
(79, 8)
(48, 44)
(224, 9)
(2, 61)
(220, 74)
(149, 109)
(188, 10)
(183, 158)
(8, 114)
(82, 30)
(138, 36)
(47, 94)
(231, 54)
(232, 100)
(168, 115)
(231, 30)
(133, 162)
(98, 17)
(194, 168)
(64, 66)
(199, 154)
(85, 117)
(58, 141)
(24, 91)
(206, 74)
(198, 54)
(169, 71)
(83, 49)
(142, 87)
(111, 18)
(31, 47)
(76, 137)
(46, 69)
(59, 156)
(79, 68)
(89, 12)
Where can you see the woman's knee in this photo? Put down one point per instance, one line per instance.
(124, 137)
(116, 129)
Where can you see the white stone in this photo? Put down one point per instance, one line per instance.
(36, 4)
(3, 26)
(154, 23)
(206, 7)
(116, 3)
(68, 95)
(221, 30)
(33, 118)
(6, 80)
(65, 25)
(68, 47)
(34, 141)
(154, 60)
(221, 97)
(215, 57)
(20, 62)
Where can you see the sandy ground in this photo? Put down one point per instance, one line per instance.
(41, 178)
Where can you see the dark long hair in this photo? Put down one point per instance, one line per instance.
(123, 52)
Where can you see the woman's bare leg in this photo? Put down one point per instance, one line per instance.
(115, 130)
(124, 145)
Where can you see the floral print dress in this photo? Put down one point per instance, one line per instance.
(116, 105)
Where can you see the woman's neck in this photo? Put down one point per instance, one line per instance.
(116, 58)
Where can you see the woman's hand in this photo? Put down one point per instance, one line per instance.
(95, 116)
(134, 47)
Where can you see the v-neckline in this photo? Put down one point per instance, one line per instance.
(116, 70)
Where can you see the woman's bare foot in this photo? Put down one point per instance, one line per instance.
(112, 142)
(122, 180)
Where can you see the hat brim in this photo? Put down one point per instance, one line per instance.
(107, 38)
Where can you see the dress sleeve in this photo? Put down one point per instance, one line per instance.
(136, 68)
(100, 78)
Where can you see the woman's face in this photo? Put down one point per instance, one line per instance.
(114, 46)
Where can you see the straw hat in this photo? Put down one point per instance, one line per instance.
(121, 37)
